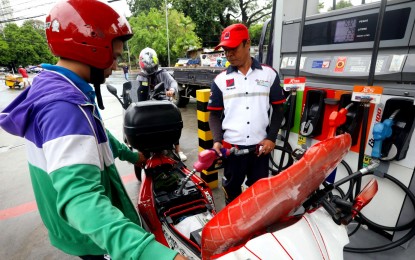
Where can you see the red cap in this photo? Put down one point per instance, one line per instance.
(233, 35)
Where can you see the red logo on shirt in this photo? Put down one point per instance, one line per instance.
(230, 83)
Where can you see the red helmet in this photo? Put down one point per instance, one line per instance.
(83, 30)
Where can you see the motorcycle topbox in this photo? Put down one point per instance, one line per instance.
(152, 125)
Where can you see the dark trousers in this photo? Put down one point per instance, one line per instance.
(237, 167)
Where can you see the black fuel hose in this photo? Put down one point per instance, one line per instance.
(349, 194)
(408, 236)
(278, 168)
(410, 195)
(385, 247)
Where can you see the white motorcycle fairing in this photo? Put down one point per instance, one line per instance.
(314, 236)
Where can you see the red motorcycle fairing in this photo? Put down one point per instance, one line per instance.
(146, 204)
(158, 159)
(146, 199)
(270, 199)
(157, 217)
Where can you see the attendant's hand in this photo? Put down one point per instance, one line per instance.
(267, 147)
(217, 146)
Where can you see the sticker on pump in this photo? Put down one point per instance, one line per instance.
(371, 93)
(317, 64)
(326, 64)
(291, 61)
(340, 64)
(294, 84)
(396, 63)
(302, 62)
(284, 62)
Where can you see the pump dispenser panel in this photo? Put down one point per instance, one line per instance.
(402, 128)
(313, 113)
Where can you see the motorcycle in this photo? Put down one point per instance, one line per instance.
(292, 215)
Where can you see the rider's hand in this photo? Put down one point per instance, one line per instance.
(141, 159)
(267, 147)
(170, 92)
(217, 146)
(180, 257)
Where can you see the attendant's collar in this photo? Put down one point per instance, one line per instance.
(254, 65)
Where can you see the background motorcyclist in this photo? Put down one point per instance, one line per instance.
(23, 72)
(219, 62)
(151, 75)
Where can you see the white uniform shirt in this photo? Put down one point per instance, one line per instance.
(246, 101)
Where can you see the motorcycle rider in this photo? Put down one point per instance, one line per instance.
(79, 193)
(151, 75)
(25, 77)
(218, 62)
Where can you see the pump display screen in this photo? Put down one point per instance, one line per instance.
(345, 31)
(357, 29)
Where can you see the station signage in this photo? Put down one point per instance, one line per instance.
(372, 94)
(294, 84)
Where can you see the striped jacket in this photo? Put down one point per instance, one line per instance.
(78, 190)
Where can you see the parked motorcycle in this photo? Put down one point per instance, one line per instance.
(287, 216)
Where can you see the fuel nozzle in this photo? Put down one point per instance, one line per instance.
(381, 131)
(337, 118)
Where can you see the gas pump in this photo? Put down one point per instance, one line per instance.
(337, 55)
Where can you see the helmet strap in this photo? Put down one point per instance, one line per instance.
(97, 78)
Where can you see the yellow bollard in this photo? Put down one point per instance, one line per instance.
(205, 135)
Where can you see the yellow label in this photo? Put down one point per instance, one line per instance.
(301, 140)
(366, 160)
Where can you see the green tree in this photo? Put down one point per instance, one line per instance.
(251, 13)
(255, 33)
(24, 45)
(320, 6)
(211, 16)
(342, 4)
(5, 55)
(150, 31)
(139, 6)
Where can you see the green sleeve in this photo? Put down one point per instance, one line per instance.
(82, 202)
(121, 151)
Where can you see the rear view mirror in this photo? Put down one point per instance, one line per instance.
(112, 89)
